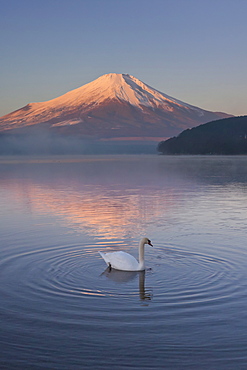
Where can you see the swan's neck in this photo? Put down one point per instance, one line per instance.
(141, 256)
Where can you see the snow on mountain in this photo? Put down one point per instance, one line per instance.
(112, 106)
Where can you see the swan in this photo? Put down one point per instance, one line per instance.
(124, 261)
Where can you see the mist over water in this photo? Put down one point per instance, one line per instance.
(43, 142)
(61, 308)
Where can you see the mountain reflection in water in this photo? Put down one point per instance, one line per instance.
(186, 311)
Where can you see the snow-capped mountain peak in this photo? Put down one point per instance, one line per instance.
(116, 86)
(113, 105)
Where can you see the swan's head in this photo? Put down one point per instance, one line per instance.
(146, 241)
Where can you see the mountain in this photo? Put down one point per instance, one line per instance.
(113, 107)
(226, 136)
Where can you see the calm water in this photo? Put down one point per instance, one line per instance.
(60, 308)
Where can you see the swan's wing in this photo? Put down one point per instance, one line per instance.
(120, 260)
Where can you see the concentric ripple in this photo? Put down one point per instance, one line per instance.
(195, 280)
(175, 276)
(68, 287)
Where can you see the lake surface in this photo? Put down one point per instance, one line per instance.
(61, 309)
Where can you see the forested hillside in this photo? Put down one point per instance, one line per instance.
(224, 136)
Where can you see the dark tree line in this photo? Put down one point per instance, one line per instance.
(226, 136)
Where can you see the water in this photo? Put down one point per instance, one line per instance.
(61, 309)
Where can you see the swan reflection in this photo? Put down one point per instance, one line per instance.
(125, 276)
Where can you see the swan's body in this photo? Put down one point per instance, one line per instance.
(125, 261)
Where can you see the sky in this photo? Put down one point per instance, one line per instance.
(192, 50)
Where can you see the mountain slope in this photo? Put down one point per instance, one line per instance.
(225, 136)
(112, 106)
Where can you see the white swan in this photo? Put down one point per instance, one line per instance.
(124, 261)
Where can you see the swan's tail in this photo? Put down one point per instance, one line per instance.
(103, 255)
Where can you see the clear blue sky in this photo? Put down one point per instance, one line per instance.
(193, 50)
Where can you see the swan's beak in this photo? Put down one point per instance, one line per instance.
(149, 243)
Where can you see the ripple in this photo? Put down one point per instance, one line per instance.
(178, 278)
(70, 272)
(51, 272)
(68, 287)
(194, 281)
